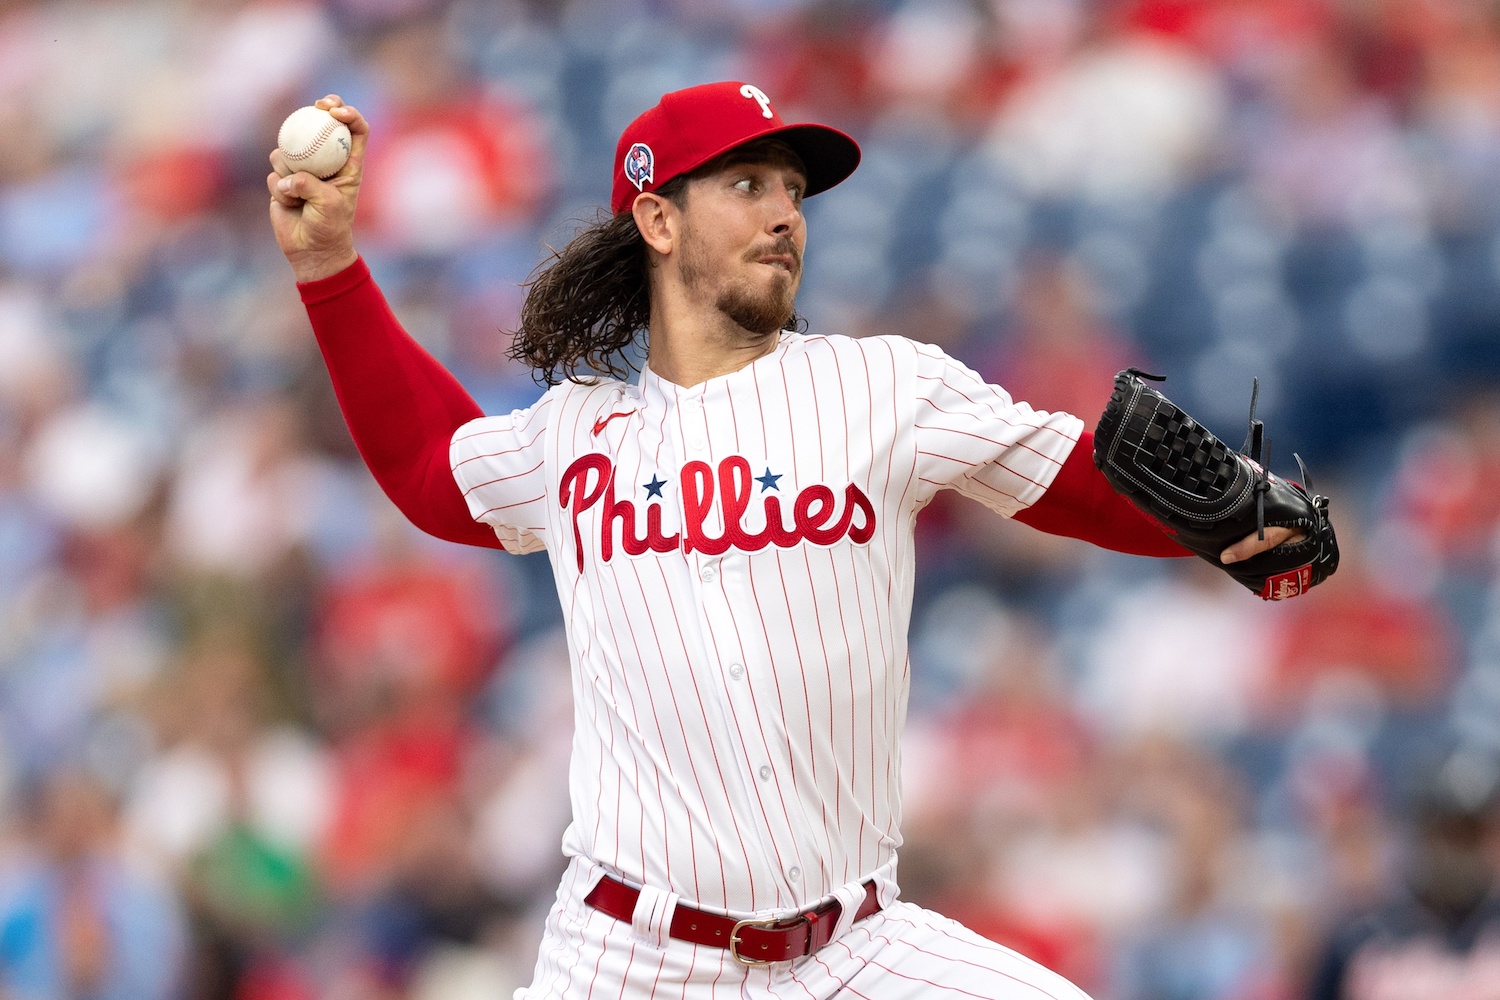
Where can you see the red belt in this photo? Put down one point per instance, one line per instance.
(750, 942)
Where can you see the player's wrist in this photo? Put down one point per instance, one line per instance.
(316, 265)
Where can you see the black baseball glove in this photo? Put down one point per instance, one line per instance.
(1207, 496)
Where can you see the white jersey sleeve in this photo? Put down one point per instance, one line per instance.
(499, 464)
(973, 438)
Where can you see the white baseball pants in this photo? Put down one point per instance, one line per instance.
(901, 952)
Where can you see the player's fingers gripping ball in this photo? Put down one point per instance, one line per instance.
(1208, 496)
(311, 139)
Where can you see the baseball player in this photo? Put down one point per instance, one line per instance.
(731, 537)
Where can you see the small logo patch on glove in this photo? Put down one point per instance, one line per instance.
(1288, 584)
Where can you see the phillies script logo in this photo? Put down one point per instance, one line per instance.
(816, 514)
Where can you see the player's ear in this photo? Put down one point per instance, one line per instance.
(657, 219)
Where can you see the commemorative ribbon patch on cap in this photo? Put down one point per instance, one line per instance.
(639, 163)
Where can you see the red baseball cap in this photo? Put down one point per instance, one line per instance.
(687, 128)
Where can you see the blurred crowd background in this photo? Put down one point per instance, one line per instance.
(260, 740)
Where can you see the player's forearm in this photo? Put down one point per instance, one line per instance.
(401, 405)
(1080, 503)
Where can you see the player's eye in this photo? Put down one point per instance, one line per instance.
(745, 184)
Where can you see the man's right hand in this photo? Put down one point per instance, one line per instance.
(314, 219)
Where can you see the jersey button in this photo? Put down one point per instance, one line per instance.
(794, 873)
(765, 772)
(696, 443)
(707, 574)
(736, 671)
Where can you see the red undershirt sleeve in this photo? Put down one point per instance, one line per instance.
(1080, 503)
(401, 405)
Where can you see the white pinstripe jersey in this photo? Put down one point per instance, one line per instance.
(735, 564)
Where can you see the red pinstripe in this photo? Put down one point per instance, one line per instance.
(501, 479)
(656, 717)
(698, 693)
(755, 705)
(531, 413)
(1007, 422)
(971, 465)
(494, 454)
(860, 601)
(740, 736)
(929, 982)
(791, 433)
(990, 406)
(948, 958)
(822, 800)
(507, 506)
(979, 437)
(635, 761)
(812, 389)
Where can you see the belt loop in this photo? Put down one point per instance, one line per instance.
(850, 898)
(652, 919)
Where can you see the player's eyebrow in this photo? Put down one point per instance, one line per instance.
(766, 152)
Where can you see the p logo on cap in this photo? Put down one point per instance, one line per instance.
(688, 128)
(759, 97)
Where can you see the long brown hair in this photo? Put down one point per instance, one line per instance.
(587, 303)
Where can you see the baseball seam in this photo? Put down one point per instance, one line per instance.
(317, 143)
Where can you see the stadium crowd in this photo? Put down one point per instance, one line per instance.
(261, 740)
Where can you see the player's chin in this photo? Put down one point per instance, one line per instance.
(779, 301)
(763, 312)
(783, 284)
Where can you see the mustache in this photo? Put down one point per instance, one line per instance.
(783, 245)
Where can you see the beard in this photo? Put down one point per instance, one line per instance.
(761, 311)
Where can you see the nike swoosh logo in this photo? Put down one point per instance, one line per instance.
(599, 424)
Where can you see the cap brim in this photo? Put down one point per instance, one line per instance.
(829, 155)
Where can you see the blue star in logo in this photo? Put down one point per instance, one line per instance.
(653, 488)
(768, 481)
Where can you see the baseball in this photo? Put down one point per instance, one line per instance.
(313, 140)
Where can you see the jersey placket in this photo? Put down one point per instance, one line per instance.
(752, 720)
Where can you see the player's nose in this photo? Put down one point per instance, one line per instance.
(785, 214)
